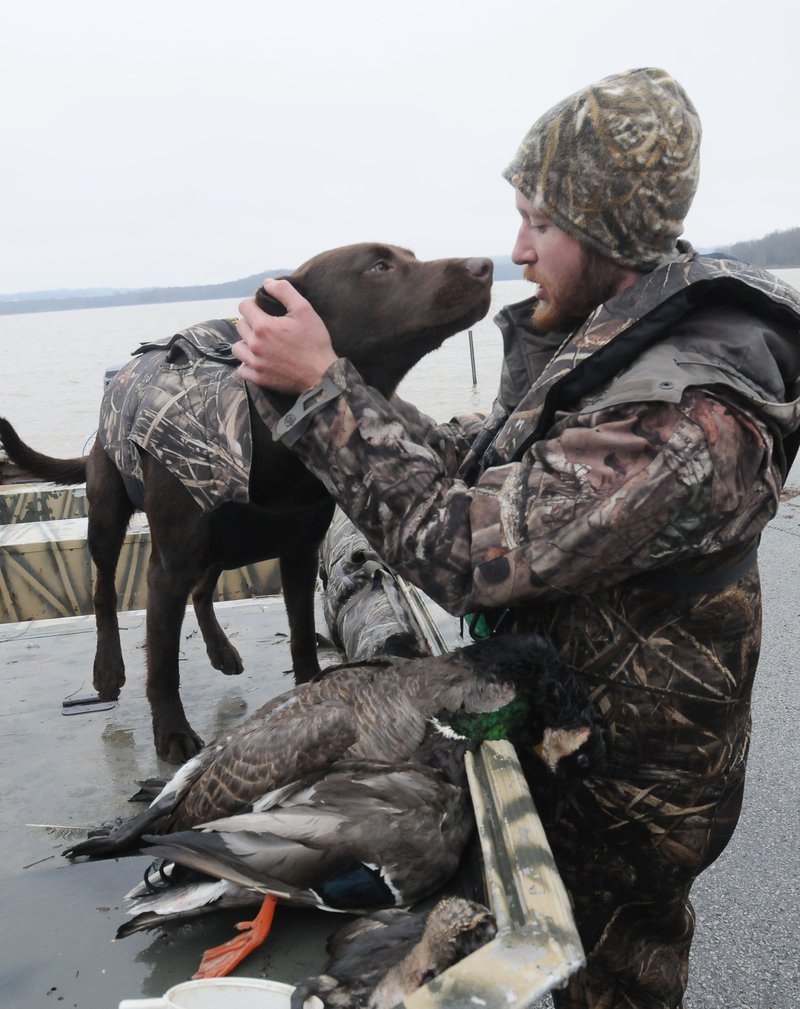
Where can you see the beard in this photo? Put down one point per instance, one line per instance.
(571, 300)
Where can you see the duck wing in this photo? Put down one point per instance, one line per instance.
(366, 835)
(377, 711)
(288, 743)
(292, 738)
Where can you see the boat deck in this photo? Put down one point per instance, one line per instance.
(59, 918)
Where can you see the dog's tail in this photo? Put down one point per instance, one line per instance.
(43, 467)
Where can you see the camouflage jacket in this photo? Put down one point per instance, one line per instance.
(654, 434)
(615, 510)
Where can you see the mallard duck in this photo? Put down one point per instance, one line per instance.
(377, 960)
(363, 835)
(509, 686)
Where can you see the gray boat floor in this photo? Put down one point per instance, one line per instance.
(59, 918)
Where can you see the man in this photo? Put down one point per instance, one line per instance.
(647, 416)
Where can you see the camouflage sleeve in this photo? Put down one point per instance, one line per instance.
(419, 425)
(450, 441)
(605, 495)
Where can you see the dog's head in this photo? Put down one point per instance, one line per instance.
(384, 308)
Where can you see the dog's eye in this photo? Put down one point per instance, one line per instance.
(380, 267)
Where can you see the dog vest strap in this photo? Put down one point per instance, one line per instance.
(211, 340)
(293, 423)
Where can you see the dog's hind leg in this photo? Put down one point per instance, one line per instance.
(178, 560)
(167, 593)
(221, 652)
(110, 510)
(298, 579)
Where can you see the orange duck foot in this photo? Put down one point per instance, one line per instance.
(219, 961)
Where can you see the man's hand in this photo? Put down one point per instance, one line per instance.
(288, 353)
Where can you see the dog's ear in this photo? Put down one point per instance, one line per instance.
(269, 304)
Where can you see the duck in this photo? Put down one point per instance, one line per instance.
(219, 814)
(377, 960)
(362, 835)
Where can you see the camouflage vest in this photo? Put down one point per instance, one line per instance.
(686, 324)
(181, 402)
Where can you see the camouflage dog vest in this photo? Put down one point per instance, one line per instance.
(180, 401)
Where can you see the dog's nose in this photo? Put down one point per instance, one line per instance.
(480, 268)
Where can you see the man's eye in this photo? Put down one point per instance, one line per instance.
(380, 267)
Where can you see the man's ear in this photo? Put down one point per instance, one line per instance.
(269, 304)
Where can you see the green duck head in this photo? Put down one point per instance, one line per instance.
(549, 711)
(511, 722)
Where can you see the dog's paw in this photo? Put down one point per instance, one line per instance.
(108, 678)
(176, 746)
(107, 691)
(225, 658)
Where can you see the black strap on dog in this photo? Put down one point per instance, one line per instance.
(187, 344)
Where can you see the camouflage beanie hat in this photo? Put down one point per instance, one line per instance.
(615, 166)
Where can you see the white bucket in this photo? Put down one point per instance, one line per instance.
(222, 993)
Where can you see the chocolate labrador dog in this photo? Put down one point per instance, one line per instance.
(385, 310)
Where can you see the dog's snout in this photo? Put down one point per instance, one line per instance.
(480, 268)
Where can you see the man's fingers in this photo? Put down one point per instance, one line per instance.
(247, 374)
(252, 367)
(241, 349)
(247, 312)
(285, 293)
(289, 352)
(253, 327)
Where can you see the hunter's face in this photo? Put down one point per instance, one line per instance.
(571, 280)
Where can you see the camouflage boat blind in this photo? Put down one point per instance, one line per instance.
(37, 503)
(46, 571)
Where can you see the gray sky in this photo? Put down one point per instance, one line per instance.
(188, 141)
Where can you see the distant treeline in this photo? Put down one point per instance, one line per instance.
(778, 250)
(54, 301)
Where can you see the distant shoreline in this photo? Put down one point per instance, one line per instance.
(56, 302)
(504, 269)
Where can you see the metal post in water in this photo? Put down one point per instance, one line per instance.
(472, 359)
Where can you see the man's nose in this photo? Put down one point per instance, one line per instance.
(523, 251)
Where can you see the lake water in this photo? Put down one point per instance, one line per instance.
(53, 363)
